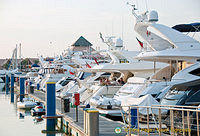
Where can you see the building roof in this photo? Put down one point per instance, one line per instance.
(82, 48)
(2, 62)
(32, 60)
(82, 42)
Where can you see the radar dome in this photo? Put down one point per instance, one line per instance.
(153, 16)
(119, 42)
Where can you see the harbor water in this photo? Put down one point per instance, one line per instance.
(15, 122)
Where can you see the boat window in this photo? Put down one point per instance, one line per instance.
(61, 82)
(85, 75)
(79, 74)
(106, 74)
(65, 82)
(194, 99)
(195, 72)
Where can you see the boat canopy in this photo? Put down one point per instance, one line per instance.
(193, 27)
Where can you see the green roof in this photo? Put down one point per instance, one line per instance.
(82, 42)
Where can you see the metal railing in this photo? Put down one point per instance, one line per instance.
(161, 120)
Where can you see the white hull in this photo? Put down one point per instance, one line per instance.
(26, 105)
(112, 112)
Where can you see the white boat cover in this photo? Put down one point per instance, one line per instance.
(103, 101)
(146, 100)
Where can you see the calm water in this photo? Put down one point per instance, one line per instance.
(14, 122)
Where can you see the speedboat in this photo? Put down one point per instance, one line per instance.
(38, 111)
(27, 103)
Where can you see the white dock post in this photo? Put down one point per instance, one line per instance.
(91, 122)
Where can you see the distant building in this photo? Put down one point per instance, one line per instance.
(3, 62)
(82, 45)
(28, 62)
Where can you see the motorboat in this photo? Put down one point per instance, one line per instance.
(187, 90)
(63, 82)
(135, 87)
(175, 48)
(57, 73)
(27, 103)
(163, 43)
(73, 85)
(38, 111)
(123, 60)
(125, 66)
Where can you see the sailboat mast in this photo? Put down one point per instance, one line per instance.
(16, 58)
(20, 56)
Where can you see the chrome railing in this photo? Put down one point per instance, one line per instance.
(161, 120)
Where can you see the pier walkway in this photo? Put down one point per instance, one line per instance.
(106, 126)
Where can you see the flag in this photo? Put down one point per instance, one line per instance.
(72, 73)
(141, 43)
(96, 60)
(88, 65)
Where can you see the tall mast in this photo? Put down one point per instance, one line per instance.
(16, 58)
(20, 56)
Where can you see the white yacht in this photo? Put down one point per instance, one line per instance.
(169, 46)
(123, 60)
(52, 70)
(165, 44)
(186, 87)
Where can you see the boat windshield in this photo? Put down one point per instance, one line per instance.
(178, 95)
(85, 75)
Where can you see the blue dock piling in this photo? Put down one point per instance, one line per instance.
(134, 118)
(12, 88)
(38, 86)
(22, 89)
(7, 84)
(50, 106)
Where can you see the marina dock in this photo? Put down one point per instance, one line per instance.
(77, 69)
(106, 126)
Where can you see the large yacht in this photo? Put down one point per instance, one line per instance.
(166, 45)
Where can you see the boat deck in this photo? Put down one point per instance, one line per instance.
(106, 126)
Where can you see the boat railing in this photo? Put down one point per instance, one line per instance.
(161, 120)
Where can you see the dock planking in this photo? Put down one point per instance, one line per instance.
(106, 126)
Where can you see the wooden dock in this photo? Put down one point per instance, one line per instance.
(106, 126)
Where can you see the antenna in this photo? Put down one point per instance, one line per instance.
(101, 36)
(122, 27)
(108, 42)
(146, 5)
(112, 26)
(133, 10)
(131, 6)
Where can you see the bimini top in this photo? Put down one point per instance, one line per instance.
(193, 27)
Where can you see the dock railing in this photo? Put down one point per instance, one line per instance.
(161, 120)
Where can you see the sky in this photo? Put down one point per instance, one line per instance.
(48, 27)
